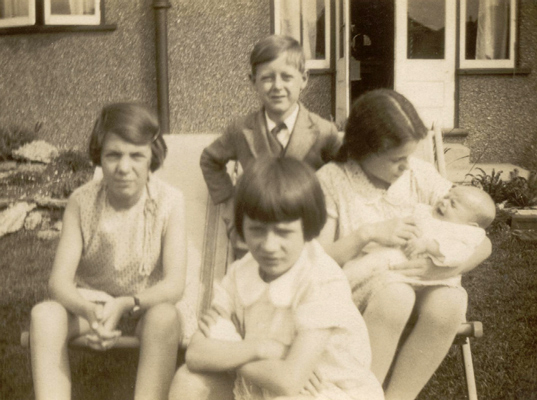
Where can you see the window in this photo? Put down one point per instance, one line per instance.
(426, 30)
(17, 13)
(308, 21)
(72, 12)
(488, 30)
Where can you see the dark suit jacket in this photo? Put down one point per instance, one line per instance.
(314, 140)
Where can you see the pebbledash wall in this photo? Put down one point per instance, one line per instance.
(500, 111)
(62, 80)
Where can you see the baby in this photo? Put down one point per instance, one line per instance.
(451, 230)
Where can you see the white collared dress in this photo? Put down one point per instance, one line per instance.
(313, 294)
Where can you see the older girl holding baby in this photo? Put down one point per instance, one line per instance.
(370, 190)
(122, 254)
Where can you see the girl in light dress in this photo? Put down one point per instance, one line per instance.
(371, 189)
(282, 323)
(121, 256)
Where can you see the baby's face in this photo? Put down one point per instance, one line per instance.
(458, 206)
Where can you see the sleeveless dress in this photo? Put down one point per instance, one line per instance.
(122, 249)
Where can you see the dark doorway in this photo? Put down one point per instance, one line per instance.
(372, 45)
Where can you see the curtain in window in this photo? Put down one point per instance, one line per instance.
(82, 7)
(492, 30)
(72, 7)
(299, 20)
(14, 8)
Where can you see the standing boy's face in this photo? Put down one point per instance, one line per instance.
(278, 85)
(276, 246)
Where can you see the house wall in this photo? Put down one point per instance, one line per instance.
(500, 111)
(62, 80)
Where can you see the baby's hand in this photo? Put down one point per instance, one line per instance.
(314, 385)
(414, 247)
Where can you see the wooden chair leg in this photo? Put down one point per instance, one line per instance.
(469, 369)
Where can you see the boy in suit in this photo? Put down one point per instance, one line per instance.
(283, 127)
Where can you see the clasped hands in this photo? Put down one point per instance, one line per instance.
(103, 320)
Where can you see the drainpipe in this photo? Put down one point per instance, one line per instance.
(161, 46)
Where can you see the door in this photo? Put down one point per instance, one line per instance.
(425, 57)
(342, 62)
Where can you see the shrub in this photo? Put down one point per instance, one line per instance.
(73, 161)
(13, 138)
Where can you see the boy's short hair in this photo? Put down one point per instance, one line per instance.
(132, 122)
(280, 190)
(272, 47)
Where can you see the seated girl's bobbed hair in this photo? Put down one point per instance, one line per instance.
(379, 120)
(280, 190)
(132, 122)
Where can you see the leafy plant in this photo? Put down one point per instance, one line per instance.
(491, 183)
(13, 138)
(521, 192)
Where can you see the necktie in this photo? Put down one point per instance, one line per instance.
(279, 131)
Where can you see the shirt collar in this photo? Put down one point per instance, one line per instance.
(250, 286)
(289, 122)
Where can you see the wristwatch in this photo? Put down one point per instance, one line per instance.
(136, 309)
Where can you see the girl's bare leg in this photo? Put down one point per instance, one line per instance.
(188, 385)
(160, 334)
(386, 316)
(51, 328)
(441, 310)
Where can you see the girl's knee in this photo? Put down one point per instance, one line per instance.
(392, 305)
(49, 314)
(189, 385)
(444, 308)
(162, 320)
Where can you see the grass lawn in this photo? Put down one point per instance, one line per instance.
(502, 292)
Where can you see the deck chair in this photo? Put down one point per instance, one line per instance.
(208, 251)
(432, 150)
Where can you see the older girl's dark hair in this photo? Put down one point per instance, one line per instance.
(272, 47)
(380, 120)
(132, 122)
(280, 190)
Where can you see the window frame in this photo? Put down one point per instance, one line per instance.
(488, 64)
(20, 21)
(316, 64)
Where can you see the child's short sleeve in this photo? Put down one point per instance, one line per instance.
(325, 305)
(223, 298)
(326, 177)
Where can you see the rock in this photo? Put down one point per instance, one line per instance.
(33, 220)
(57, 226)
(38, 150)
(23, 168)
(7, 165)
(12, 219)
(4, 203)
(48, 235)
(49, 202)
